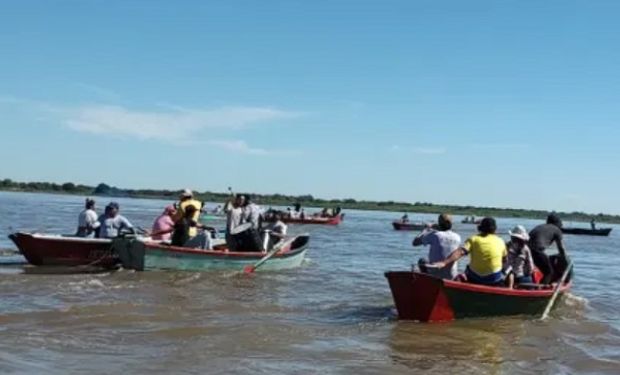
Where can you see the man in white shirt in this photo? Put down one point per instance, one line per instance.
(442, 243)
(87, 221)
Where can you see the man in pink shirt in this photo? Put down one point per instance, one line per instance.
(164, 225)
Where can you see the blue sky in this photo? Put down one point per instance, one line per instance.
(494, 103)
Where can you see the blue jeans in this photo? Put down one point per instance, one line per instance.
(492, 279)
(524, 280)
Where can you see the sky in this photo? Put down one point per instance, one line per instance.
(488, 103)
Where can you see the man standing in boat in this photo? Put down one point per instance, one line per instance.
(541, 238)
(88, 221)
(234, 215)
(442, 243)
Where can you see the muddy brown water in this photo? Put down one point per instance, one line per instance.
(332, 315)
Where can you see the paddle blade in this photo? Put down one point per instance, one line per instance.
(248, 269)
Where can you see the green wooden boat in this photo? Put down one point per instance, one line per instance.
(142, 256)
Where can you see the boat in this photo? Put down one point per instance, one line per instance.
(146, 255)
(475, 222)
(399, 225)
(422, 297)
(334, 220)
(42, 249)
(587, 232)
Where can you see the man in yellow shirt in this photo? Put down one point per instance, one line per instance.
(186, 199)
(486, 250)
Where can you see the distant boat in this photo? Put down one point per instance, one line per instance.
(465, 221)
(332, 220)
(587, 232)
(399, 225)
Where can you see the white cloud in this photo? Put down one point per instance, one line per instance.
(166, 125)
(237, 145)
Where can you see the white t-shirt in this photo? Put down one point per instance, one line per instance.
(88, 219)
(279, 227)
(442, 244)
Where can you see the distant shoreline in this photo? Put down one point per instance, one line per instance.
(104, 190)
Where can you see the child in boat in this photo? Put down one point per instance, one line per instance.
(519, 265)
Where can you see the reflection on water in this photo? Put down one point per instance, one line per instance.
(333, 315)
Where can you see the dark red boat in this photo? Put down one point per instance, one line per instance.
(399, 225)
(425, 298)
(335, 220)
(57, 250)
(587, 232)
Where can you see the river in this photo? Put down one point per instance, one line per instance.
(334, 315)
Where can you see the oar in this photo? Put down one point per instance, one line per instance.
(251, 268)
(557, 290)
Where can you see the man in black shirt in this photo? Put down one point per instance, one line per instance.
(541, 238)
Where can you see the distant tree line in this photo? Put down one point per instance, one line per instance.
(305, 200)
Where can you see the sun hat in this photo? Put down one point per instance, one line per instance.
(519, 232)
(187, 193)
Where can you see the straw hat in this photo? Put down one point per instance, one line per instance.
(519, 232)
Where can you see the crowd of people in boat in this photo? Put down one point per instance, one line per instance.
(179, 224)
(492, 261)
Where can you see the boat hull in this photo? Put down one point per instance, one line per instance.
(397, 225)
(425, 298)
(55, 250)
(154, 256)
(310, 220)
(587, 232)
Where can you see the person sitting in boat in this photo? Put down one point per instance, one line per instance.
(404, 219)
(541, 238)
(164, 225)
(111, 223)
(519, 265)
(186, 200)
(87, 220)
(442, 242)
(277, 231)
(486, 251)
(181, 236)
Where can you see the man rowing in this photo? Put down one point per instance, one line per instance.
(111, 223)
(541, 238)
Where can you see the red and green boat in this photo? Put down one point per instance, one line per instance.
(332, 220)
(422, 297)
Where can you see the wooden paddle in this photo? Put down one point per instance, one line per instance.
(557, 290)
(251, 268)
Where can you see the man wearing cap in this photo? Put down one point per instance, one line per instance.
(519, 264)
(87, 221)
(111, 223)
(186, 199)
(541, 238)
(442, 243)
